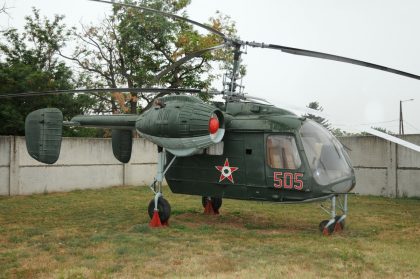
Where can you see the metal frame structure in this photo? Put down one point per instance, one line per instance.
(156, 185)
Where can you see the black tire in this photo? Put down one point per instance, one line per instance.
(342, 222)
(204, 201)
(322, 225)
(216, 203)
(164, 209)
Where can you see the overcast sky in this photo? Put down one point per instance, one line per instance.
(384, 32)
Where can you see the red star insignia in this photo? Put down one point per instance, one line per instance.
(226, 171)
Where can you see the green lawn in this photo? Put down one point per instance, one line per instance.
(105, 233)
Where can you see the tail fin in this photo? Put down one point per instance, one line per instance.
(122, 142)
(43, 132)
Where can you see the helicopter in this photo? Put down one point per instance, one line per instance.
(243, 148)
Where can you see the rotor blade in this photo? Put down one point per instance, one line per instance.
(368, 130)
(185, 59)
(304, 110)
(208, 28)
(253, 98)
(102, 90)
(390, 138)
(321, 55)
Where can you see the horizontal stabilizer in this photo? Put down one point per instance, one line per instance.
(115, 121)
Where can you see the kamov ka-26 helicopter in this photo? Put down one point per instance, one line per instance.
(243, 148)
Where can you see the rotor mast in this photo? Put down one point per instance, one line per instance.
(234, 75)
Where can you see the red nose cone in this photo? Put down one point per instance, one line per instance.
(213, 125)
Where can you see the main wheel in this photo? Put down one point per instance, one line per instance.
(216, 203)
(326, 231)
(339, 226)
(164, 209)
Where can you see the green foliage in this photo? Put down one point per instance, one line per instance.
(340, 133)
(380, 129)
(131, 47)
(324, 122)
(315, 106)
(384, 130)
(29, 63)
(337, 131)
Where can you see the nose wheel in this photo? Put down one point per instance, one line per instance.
(337, 226)
(336, 223)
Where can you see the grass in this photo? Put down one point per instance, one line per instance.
(105, 233)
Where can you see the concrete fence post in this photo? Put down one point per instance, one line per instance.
(124, 175)
(14, 187)
(392, 165)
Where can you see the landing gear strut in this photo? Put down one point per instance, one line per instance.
(336, 222)
(159, 208)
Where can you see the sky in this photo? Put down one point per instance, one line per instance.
(377, 31)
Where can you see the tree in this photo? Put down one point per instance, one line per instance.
(337, 132)
(384, 130)
(30, 63)
(130, 48)
(380, 129)
(315, 106)
(3, 9)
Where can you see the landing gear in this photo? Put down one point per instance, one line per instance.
(337, 226)
(336, 222)
(211, 205)
(164, 210)
(159, 208)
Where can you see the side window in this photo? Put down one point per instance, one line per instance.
(282, 152)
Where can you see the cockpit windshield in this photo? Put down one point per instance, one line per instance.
(327, 158)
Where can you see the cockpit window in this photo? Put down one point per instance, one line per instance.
(325, 153)
(282, 152)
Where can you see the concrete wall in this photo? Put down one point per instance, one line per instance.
(384, 168)
(83, 163)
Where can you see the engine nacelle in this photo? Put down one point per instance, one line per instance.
(183, 125)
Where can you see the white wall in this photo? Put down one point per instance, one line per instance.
(83, 163)
(382, 168)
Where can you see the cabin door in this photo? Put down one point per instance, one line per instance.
(254, 155)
